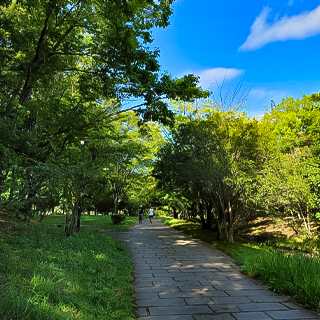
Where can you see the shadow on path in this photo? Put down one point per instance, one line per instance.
(180, 277)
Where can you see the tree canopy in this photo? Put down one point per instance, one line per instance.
(85, 109)
(68, 68)
(229, 168)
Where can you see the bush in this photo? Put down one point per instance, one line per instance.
(194, 220)
(161, 213)
(117, 218)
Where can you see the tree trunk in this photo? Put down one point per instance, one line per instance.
(209, 216)
(203, 221)
(223, 219)
(218, 222)
(175, 213)
(78, 218)
(220, 233)
(70, 228)
(116, 205)
(26, 210)
(308, 221)
(230, 223)
(230, 238)
(11, 188)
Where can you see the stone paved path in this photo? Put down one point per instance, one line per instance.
(178, 277)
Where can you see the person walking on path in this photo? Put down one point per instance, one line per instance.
(150, 214)
(140, 214)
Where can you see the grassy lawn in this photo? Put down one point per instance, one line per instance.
(291, 273)
(97, 221)
(44, 275)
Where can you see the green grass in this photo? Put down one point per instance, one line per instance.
(106, 223)
(294, 274)
(103, 222)
(44, 275)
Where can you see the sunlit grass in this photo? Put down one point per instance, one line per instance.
(106, 223)
(301, 242)
(44, 275)
(95, 221)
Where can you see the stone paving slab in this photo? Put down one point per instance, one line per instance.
(290, 314)
(175, 317)
(178, 277)
(179, 310)
(225, 316)
(161, 302)
(251, 316)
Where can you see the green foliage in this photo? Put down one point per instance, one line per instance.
(219, 160)
(213, 162)
(290, 176)
(117, 218)
(47, 276)
(68, 69)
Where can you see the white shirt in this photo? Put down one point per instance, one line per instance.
(151, 212)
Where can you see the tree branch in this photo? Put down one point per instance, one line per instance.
(26, 87)
(99, 119)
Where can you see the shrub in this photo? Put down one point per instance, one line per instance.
(194, 220)
(117, 218)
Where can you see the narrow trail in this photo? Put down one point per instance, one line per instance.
(180, 277)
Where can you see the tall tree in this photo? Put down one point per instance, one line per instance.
(290, 179)
(213, 161)
(69, 66)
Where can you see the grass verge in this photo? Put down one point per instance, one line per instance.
(44, 275)
(96, 221)
(290, 273)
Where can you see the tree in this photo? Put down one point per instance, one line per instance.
(213, 161)
(290, 178)
(69, 67)
(132, 153)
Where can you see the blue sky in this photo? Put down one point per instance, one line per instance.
(271, 46)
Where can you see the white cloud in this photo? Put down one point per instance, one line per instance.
(290, 2)
(217, 75)
(266, 95)
(302, 26)
(259, 98)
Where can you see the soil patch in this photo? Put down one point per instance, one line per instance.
(8, 224)
(263, 230)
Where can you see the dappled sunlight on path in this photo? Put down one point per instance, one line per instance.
(180, 277)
